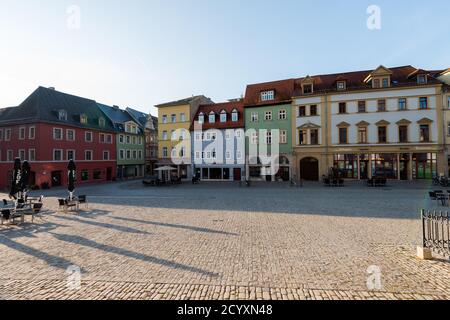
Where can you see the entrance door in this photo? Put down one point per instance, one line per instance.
(56, 178)
(283, 173)
(109, 174)
(309, 169)
(237, 174)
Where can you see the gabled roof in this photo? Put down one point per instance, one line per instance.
(44, 105)
(217, 108)
(284, 90)
(182, 101)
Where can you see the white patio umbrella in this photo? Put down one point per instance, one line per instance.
(160, 170)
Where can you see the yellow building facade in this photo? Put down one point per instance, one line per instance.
(174, 122)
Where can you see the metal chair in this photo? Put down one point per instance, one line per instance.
(83, 200)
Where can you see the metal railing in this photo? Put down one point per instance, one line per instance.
(436, 231)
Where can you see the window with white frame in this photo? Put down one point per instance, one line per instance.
(234, 116)
(239, 133)
(238, 154)
(22, 154)
(105, 155)
(134, 155)
(140, 154)
(282, 115)
(212, 117)
(128, 139)
(31, 154)
(71, 155)
(121, 154)
(197, 155)
(283, 136)
(57, 155)
(268, 115)
(10, 155)
(70, 135)
(201, 118)
(101, 122)
(7, 134)
(268, 95)
(109, 138)
(57, 134)
(31, 132)
(173, 135)
(121, 139)
(62, 115)
(269, 137)
(182, 117)
(198, 136)
(228, 134)
(254, 117)
(88, 136)
(228, 155)
(88, 155)
(223, 116)
(128, 154)
(173, 118)
(164, 119)
(22, 133)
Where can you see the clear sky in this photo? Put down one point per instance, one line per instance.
(138, 53)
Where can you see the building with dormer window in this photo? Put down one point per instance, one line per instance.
(218, 148)
(50, 128)
(383, 122)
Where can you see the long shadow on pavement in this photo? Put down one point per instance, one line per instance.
(177, 226)
(127, 253)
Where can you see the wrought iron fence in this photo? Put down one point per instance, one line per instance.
(436, 231)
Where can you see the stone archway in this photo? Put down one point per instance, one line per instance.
(309, 169)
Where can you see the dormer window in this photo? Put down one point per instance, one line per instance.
(223, 116)
(421, 79)
(341, 85)
(234, 116)
(83, 119)
(62, 115)
(268, 95)
(212, 117)
(201, 118)
(101, 122)
(386, 83)
(307, 88)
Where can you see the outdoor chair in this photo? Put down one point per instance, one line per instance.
(62, 204)
(5, 215)
(83, 200)
(35, 210)
(70, 204)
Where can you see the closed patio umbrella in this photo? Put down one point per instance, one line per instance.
(71, 178)
(25, 180)
(16, 178)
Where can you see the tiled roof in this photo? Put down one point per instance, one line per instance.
(139, 116)
(45, 103)
(284, 90)
(401, 76)
(217, 108)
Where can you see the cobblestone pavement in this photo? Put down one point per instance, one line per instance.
(224, 242)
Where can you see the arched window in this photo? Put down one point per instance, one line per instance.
(223, 116)
(234, 116)
(212, 117)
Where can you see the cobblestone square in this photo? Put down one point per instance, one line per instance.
(222, 241)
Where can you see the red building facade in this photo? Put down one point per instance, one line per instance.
(48, 144)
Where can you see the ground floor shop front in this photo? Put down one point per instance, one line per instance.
(131, 171)
(408, 164)
(260, 171)
(219, 173)
(54, 174)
